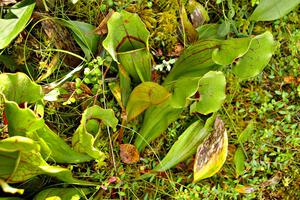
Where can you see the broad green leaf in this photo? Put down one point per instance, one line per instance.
(62, 193)
(143, 96)
(23, 122)
(247, 132)
(230, 50)
(127, 41)
(192, 64)
(212, 93)
(195, 61)
(186, 145)
(19, 88)
(239, 161)
(10, 198)
(209, 31)
(224, 28)
(156, 121)
(183, 89)
(15, 21)
(84, 141)
(212, 153)
(257, 57)
(268, 10)
(30, 162)
(85, 36)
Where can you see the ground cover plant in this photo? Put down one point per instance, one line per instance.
(149, 99)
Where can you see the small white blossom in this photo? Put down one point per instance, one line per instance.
(165, 64)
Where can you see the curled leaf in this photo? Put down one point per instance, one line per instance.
(212, 93)
(126, 32)
(137, 63)
(211, 154)
(9, 189)
(230, 50)
(127, 43)
(19, 88)
(183, 89)
(143, 96)
(24, 122)
(86, 134)
(260, 51)
(21, 121)
(27, 161)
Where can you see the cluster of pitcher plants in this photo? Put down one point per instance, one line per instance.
(195, 83)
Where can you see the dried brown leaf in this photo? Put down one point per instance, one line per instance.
(129, 153)
(7, 2)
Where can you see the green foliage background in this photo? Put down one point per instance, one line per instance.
(271, 101)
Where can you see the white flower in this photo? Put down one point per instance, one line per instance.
(165, 64)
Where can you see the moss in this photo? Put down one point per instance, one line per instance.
(161, 18)
(167, 4)
(146, 14)
(165, 34)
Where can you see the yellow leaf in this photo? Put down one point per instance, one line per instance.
(211, 154)
(143, 96)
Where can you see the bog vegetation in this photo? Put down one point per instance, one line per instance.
(149, 99)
